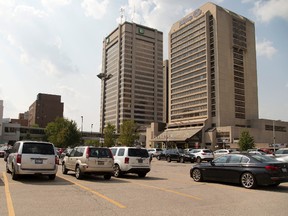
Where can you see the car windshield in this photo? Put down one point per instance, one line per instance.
(134, 152)
(263, 158)
(38, 148)
(100, 153)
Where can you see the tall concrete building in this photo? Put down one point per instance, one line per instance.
(45, 110)
(213, 81)
(132, 76)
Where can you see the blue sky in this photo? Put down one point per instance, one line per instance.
(55, 47)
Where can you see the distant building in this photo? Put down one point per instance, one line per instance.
(213, 92)
(22, 120)
(45, 109)
(132, 76)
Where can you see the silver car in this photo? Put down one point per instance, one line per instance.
(32, 157)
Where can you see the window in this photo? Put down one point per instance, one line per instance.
(121, 152)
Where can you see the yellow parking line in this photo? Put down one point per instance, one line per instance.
(96, 193)
(170, 191)
(8, 197)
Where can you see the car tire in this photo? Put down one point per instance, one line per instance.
(248, 180)
(198, 160)
(142, 175)
(168, 159)
(64, 169)
(107, 177)
(181, 160)
(52, 177)
(7, 169)
(196, 174)
(14, 175)
(117, 171)
(158, 157)
(78, 173)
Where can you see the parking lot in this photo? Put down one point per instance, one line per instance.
(166, 190)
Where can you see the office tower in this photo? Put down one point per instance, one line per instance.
(213, 69)
(132, 76)
(45, 110)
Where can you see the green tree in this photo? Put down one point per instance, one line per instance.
(92, 143)
(63, 133)
(109, 135)
(246, 141)
(128, 133)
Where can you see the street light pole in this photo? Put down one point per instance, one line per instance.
(91, 128)
(274, 139)
(81, 125)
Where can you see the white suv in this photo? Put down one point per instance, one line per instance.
(130, 160)
(32, 157)
(89, 160)
(202, 154)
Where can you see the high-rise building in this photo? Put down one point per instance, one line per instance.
(213, 82)
(132, 76)
(45, 110)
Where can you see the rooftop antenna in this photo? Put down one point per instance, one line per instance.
(133, 14)
(122, 12)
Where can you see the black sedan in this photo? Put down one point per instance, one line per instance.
(249, 170)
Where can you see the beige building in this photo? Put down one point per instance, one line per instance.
(132, 78)
(213, 82)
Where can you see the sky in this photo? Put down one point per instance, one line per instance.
(55, 47)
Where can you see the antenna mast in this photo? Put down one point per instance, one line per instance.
(122, 12)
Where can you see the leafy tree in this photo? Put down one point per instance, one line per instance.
(63, 133)
(128, 133)
(92, 143)
(246, 141)
(109, 135)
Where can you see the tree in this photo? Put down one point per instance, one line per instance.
(109, 135)
(246, 141)
(92, 143)
(128, 133)
(63, 133)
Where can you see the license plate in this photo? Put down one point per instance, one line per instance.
(140, 160)
(38, 161)
(100, 162)
(284, 170)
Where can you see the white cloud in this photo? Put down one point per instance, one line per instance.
(265, 48)
(267, 10)
(50, 5)
(95, 8)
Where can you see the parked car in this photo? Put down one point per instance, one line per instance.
(162, 155)
(63, 154)
(220, 152)
(202, 155)
(281, 152)
(2, 151)
(89, 160)
(131, 160)
(282, 158)
(32, 157)
(249, 170)
(153, 152)
(179, 155)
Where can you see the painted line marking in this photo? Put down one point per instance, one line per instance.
(96, 193)
(8, 196)
(170, 191)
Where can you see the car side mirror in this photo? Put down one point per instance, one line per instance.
(212, 163)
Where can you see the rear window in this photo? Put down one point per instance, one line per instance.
(207, 151)
(263, 158)
(38, 148)
(100, 153)
(137, 152)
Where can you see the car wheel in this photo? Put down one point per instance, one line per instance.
(107, 177)
(158, 157)
(196, 175)
(7, 169)
(64, 169)
(248, 180)
(117, 171)
(78, 173)
(142, 175)
(14, 175)
(181, 160)
(52, 177)
(198, 160)
(168, 159)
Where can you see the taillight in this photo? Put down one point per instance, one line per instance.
(56, 159)
(18, 158)
(88, 153)
(271, 168)
(126, 160)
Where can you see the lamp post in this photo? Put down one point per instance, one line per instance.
(274, 139)
(91, 128)
(81, 125)
(104, 77)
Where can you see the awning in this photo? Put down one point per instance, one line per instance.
(178, 134)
